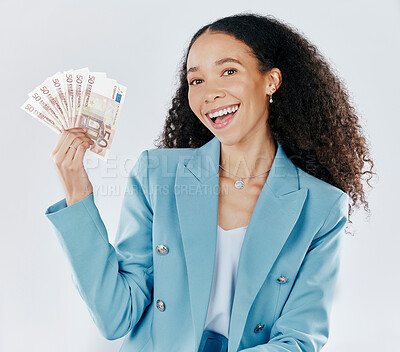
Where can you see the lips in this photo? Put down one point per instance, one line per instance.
(226, 121)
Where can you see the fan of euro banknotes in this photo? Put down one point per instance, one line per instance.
(79, 98)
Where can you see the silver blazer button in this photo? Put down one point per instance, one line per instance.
(162, 250)
(282, 279)
(160, 305)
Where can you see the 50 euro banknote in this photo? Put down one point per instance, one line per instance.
(79, 98)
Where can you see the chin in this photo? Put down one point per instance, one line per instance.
(227, 139)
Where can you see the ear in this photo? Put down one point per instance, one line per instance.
(273, 81)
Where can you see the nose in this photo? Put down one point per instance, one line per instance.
(212, 92)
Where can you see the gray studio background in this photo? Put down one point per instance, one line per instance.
(140, 44)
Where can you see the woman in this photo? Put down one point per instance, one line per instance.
(260, 153)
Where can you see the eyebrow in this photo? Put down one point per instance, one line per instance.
(217, 63)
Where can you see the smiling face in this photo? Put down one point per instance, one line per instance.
(222, 73)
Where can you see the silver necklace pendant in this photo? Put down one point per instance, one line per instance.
(239, 184)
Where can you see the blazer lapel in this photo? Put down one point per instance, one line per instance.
(196, 191)
(274, 216)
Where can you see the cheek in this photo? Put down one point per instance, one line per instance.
(252, 93)
(240, 89)
(194, 103)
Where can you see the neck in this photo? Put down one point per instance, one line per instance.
(249, 157)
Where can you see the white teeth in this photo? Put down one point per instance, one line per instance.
(223, 112)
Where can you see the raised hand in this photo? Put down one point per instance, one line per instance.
(68, 159)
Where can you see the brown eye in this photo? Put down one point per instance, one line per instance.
(231, 69)
(191, 82)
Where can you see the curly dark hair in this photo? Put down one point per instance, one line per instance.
(311, 115)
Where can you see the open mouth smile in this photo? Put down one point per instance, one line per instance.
(222, 117)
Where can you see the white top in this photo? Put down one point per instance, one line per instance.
(229, 244)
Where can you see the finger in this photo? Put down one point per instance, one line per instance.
(60, 141)
(75, 129)
(65, 147)
(65, 134)
(73, 139)
(72, 153)
(69, 154)
(80, 152)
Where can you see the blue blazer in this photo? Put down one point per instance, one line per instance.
(153, 286)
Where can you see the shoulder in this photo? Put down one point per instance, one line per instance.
(323, 199)
(318, 187)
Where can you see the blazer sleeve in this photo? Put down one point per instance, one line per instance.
(304, 321)
(115, 282)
